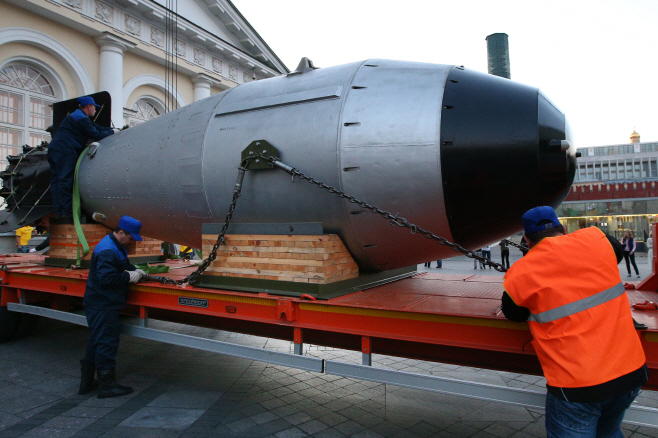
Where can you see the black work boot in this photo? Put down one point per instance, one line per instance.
(109, 386)
(87, 381)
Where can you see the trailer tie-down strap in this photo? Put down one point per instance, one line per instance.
(82, 241)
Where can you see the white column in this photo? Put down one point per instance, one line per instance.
(110, 76)
(202, 85)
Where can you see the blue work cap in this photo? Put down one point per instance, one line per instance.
(532, 217)
(87, 100)
(132, 226)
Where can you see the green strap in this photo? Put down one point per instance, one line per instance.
(77, 211)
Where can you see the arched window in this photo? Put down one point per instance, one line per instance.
(145, 109)
(26, 98)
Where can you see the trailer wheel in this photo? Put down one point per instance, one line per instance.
(26, 325)
(8, 324)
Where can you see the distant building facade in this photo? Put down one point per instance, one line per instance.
(615, 188)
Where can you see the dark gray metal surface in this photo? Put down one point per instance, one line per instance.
(370, 129)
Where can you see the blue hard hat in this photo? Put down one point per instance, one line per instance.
(532, 217)
(132, 226)
(87, 100)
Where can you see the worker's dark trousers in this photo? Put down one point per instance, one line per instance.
(103, 343)
(62, 171)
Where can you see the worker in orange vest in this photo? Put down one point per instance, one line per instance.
(569, 290)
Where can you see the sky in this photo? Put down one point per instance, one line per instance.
(597, 60)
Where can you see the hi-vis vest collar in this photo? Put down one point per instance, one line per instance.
(578, 306)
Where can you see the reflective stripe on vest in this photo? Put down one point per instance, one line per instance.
(579, 306)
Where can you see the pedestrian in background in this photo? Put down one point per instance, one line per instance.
(23, 236)
(486, 253)
(629, 244)
(475, 261)
(650, 250)
(504, 253)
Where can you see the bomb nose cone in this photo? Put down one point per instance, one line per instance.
(502, 138)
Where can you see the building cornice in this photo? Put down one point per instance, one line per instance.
(198, 51)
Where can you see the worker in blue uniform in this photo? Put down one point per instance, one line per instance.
(70, 140)
(106, 294)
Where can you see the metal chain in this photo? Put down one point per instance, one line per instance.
(195, 276)
(394, 220)
(519, 246)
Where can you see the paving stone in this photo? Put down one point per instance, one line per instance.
(7, 420)
(293, 432)
(328, 433)
(298, 418)
(349, 427)
(267, 429)
(460, 430)
(264, 417)
(253, 409)
(164, 418)
(86, 412)
(273, 403)
(29, 400)
(241, 425)
(186, 399)
(367, 434)
(74, 423)
(312, 427)
(501, 430)
(87, 434)
(647, 431)
(423, 429)
(41, 432)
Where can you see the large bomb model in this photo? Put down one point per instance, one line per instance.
(457, 152)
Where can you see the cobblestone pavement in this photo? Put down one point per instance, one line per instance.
(180, 392)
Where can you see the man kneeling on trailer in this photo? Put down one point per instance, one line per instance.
(106, 294)
(569, 290)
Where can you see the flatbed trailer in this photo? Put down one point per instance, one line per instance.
(448, 318)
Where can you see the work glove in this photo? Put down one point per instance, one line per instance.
(134, 276)
(142, 273)
(33, 250)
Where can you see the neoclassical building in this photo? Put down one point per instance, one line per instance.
(52, 50)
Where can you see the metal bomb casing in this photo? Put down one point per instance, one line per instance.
(457, 152)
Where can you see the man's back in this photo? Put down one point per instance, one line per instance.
(74, 132)
(580, 316)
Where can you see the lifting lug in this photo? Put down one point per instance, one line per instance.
(257, 153)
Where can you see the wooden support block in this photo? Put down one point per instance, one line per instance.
(64, 242)
(307, 259)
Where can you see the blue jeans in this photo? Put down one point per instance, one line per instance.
(584, 420)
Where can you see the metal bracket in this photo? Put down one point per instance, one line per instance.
(287, 310)
(259, 148)
(93, 148)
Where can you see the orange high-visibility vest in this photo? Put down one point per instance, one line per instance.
(580, 317)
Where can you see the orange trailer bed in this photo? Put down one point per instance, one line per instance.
(446, 318)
